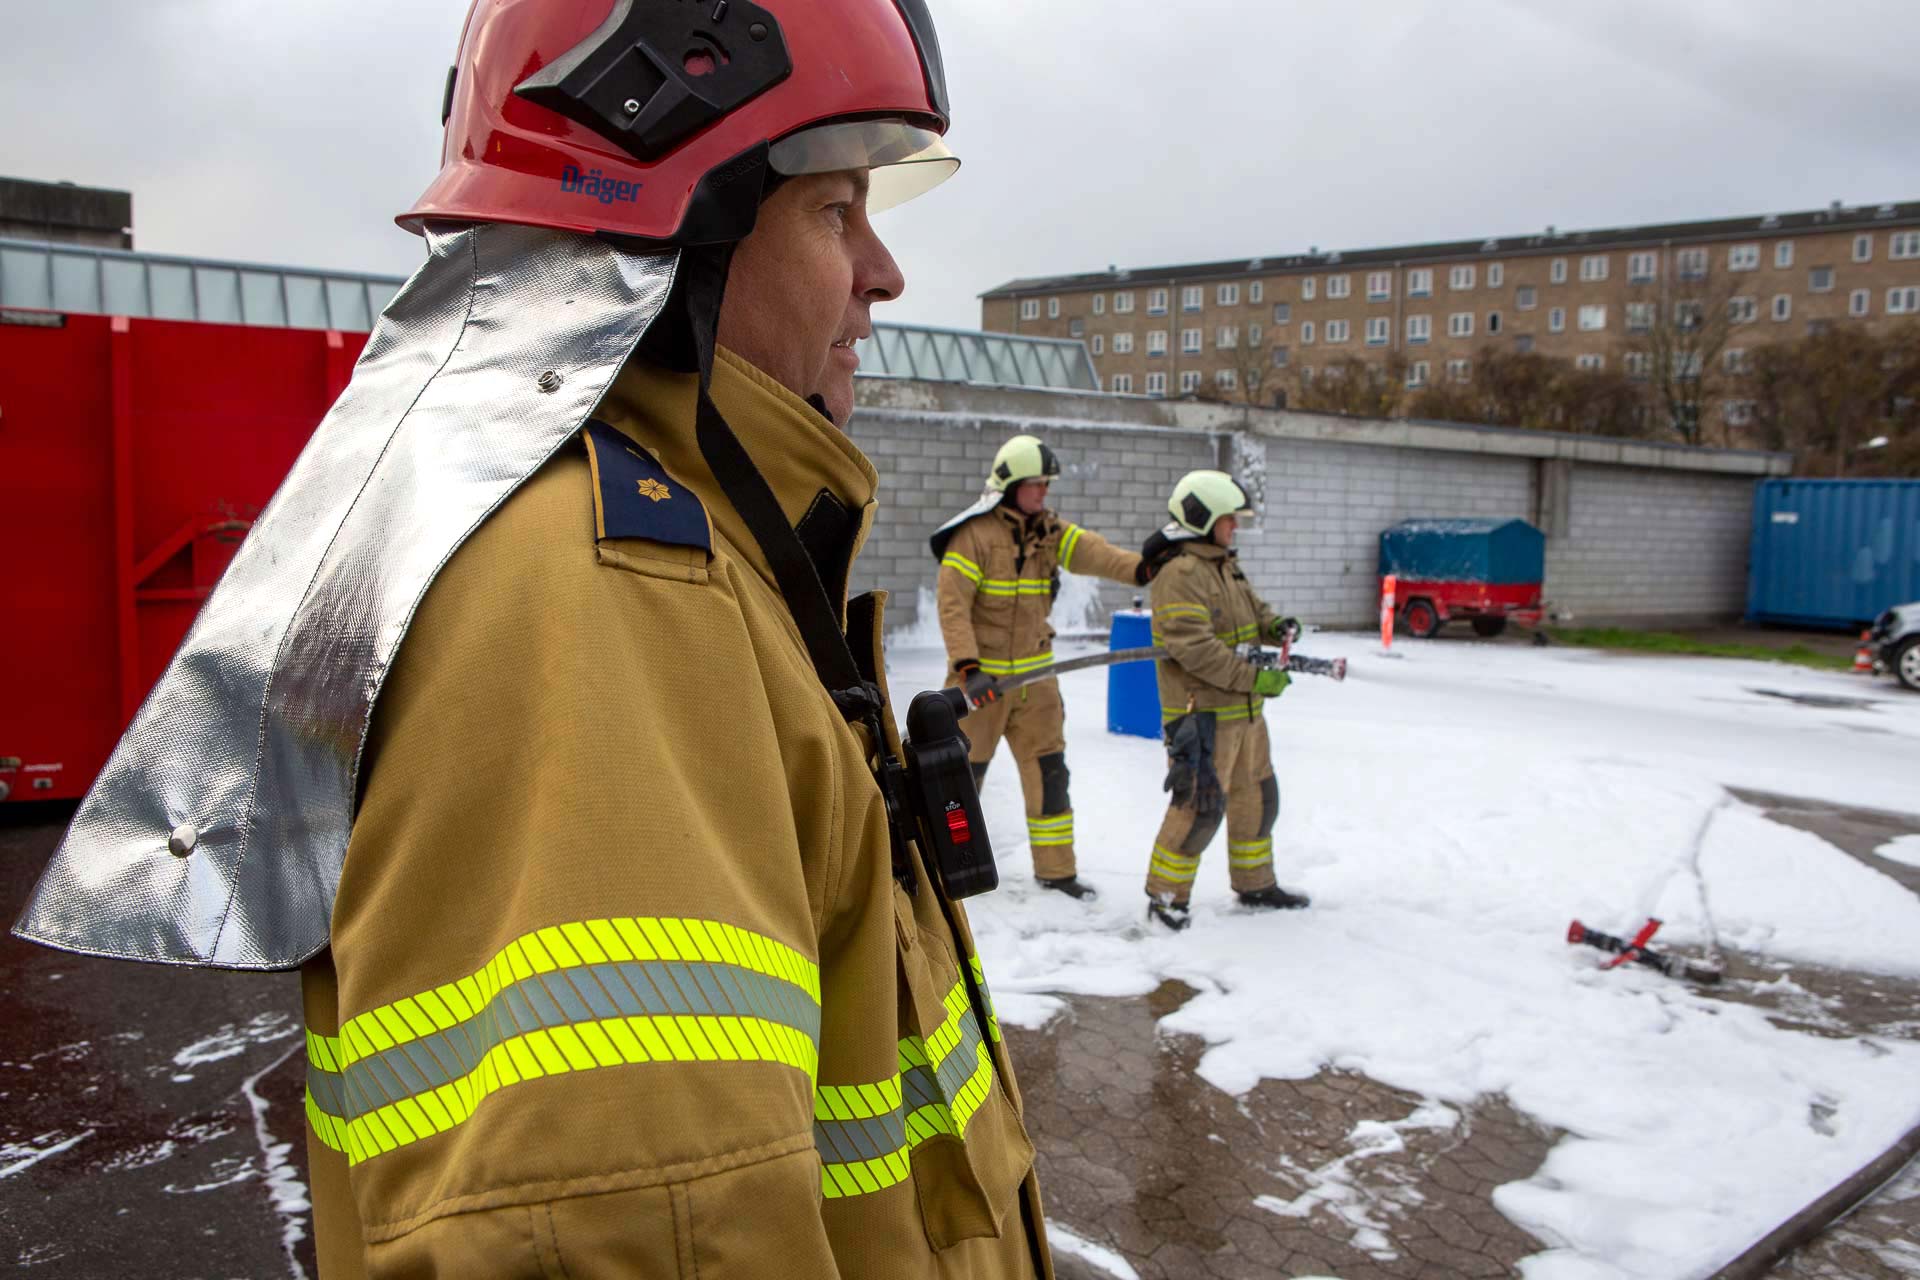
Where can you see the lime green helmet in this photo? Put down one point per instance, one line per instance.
(1022, 458)
(1202, 497)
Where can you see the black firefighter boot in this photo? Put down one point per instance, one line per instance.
(1167, 912)
(1273, 898)
(1072, 887)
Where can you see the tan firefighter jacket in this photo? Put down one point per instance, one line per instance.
(998, 577)
(1203, 606)
(621, 982)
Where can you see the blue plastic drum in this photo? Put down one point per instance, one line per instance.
(1133, 693)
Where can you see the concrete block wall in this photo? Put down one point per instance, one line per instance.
(1638, 533)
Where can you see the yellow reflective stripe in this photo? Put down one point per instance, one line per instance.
(1016, 666)
(1239, 635)
(1236, 712)
(1015, 586)
(1181, 610)
(980, 976)
(1169, 865)
(961, 565)
(1249, 853)
(856, 1101)
(1050, 831)
(1068, 541)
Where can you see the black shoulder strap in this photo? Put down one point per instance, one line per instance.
(704, 272)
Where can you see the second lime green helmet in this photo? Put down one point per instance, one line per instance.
(1022, 458)
(1202, 497)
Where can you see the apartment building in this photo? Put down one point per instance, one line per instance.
(1214, 328)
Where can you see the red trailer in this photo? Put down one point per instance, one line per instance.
(1487, 572)
(134, 454)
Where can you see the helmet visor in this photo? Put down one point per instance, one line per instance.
(902, 160)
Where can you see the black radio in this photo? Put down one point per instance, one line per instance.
(941, 793)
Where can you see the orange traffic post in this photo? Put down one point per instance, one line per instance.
(1388, 585)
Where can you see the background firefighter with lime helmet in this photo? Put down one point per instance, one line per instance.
(532, 724)
(1000, 563)
(1212, 702)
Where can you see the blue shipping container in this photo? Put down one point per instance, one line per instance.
(1833, 553)
(1499, 553)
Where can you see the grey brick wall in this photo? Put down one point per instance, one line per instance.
(1652, 535)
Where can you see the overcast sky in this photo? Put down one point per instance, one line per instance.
(1093, 132)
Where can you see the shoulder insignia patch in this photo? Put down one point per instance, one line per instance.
(634, 497)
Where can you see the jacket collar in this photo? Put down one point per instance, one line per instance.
(1206, 549)
(800, 452)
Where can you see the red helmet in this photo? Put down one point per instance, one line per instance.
(659, 119)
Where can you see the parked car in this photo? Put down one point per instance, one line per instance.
(1895, 640)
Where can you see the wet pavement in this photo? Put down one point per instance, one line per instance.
(150, 1124)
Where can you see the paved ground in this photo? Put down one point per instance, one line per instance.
(150, 1125)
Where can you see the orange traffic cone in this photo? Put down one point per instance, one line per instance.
(1863, 656)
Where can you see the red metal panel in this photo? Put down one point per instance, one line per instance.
(133, 455)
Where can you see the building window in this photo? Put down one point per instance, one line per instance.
(1460, 278)
(1053, 308)
(1123, 384)
(1902, 245)
(1227, 337)
(1257, 292)
(1123, 302)
(1493, 322)
(1557, 320)
(1642, 267)
(1156, 384)
(1863, 248)
(1589, 362)
(1782, 306)
(1904, 301)
(1339, 330)
(1459, 369)
(1417, 374)
(1339, 286)
(1859, 302)
(1156, 342)
(1228, 295)
(1156, 302)
(1783, 253)
(1593, 317)
(1190, 298)
(1283, 313)
(1123, 343)
(1692, 264)
(1279, 357)
(1226, 380)
(1523, 343)
(1306, 333)
(1820, 280)
(1743, 257)
(1190, 341)
(1029, 308)
(1525, 297)
(1076, 327)
(1737, 413)
(1189, 381)
(1460, 324)
(1379, 285)
(1689, 316)
(1309, 288)
(1740, 311)
(1420, 283)
(1734, 360)
(1637, 364)
(1496, 274)
(1557, 273)
(1640, 316)
(1099, 344)
(1419, 329)
(1099, 304)
(1379, 329)
(1253, 335)
(1593, 267)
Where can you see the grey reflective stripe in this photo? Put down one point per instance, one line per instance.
(843, 1141)
(328, 1090)
(563, 997)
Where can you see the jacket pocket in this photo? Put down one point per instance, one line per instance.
(970, 1153)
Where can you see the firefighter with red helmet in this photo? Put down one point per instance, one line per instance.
(1000, 563)
(534, 725)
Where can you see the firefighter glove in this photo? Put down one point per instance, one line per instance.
(1190, 773)
(1284, 630)
(1270, 682)
(979, 687)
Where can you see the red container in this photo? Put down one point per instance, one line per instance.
(134, 455)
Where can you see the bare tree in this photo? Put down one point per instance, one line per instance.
(1844, 401)
(1355, 385)
(1677, 331)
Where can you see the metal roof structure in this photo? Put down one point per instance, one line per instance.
(43, 276)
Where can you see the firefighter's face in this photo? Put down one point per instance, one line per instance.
(1223, 530)
(1030, 496)
(804, 283)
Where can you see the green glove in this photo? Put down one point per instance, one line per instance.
(1284, 629)
(1269, 682)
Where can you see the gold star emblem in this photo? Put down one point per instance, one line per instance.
(651, 488)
